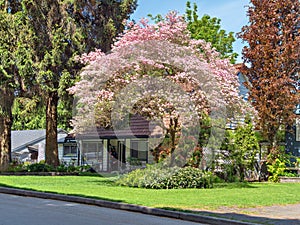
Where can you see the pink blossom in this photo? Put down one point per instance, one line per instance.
(165, 51)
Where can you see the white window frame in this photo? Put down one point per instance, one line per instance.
(70, 145)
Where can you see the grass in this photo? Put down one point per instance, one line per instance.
(241, 195)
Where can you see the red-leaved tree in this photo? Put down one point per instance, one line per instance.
(272, 62)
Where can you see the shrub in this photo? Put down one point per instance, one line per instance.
(157, 177)
(39, 167)
(17, 167)
(276, 169)
(84, 170)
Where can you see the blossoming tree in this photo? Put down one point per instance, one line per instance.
(159, 72)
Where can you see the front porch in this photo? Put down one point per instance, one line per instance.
(108, 155)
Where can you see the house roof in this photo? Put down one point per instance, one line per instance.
(20, 139)
(138, 127)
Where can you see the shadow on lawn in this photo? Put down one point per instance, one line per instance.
(103, 182)
(54, 192)
(258, 219)
(234, 185)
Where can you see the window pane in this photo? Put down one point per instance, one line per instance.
(92, 151)
(70, 151)
(139, 150)
(143, 155)
(134, 149)
(297, 129)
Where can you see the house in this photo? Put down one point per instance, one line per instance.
(293, 141)
(292, 138)
(29, 145)
(243, 92)
(293, 135)
(109, 150)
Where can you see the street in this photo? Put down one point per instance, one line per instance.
(18, 210)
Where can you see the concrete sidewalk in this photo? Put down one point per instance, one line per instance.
(276, 215)
(273, 215)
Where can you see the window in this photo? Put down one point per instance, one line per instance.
(139, 150)
(297, 129)
(297, 111)
(92, 151)
(70, 150)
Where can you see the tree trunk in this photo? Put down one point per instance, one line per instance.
(273, 149)
(51, 153)
(6, 102)
(173, 129)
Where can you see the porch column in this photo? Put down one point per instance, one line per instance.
(105, 155)
(79, 152)
(127, 149)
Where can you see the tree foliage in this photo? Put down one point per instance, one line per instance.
(60, 30)
(28, 114)
(56, 42)
(101, 21)
(272, 59)
(15, 70)
(241, 148)
(209, 29)
(164, 59)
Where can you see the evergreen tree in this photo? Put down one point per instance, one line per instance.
(15, 70)
(101, 21)
(60, 31)
(63, 30)
(56, 42)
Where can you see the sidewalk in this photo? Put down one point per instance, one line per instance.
(273, 215)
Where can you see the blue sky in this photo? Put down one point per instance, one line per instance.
(231, 12)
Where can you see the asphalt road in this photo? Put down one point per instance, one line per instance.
(18, 210)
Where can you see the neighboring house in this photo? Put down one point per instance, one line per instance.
(29, 145)
(293, 136)
(109, 150)
(292, 139)
(243, 92)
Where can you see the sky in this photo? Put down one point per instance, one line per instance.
(231, 12)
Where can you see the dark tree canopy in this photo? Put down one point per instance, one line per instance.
(101, 21)
(15, 71)
(272, 59)
(59, 31)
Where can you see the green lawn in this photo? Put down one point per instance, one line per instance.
(230, 195)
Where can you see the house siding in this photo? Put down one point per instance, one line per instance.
(292, 146)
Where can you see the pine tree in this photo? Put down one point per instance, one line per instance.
(15, 70)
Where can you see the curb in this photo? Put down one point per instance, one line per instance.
(123, 206)
(39, 173)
